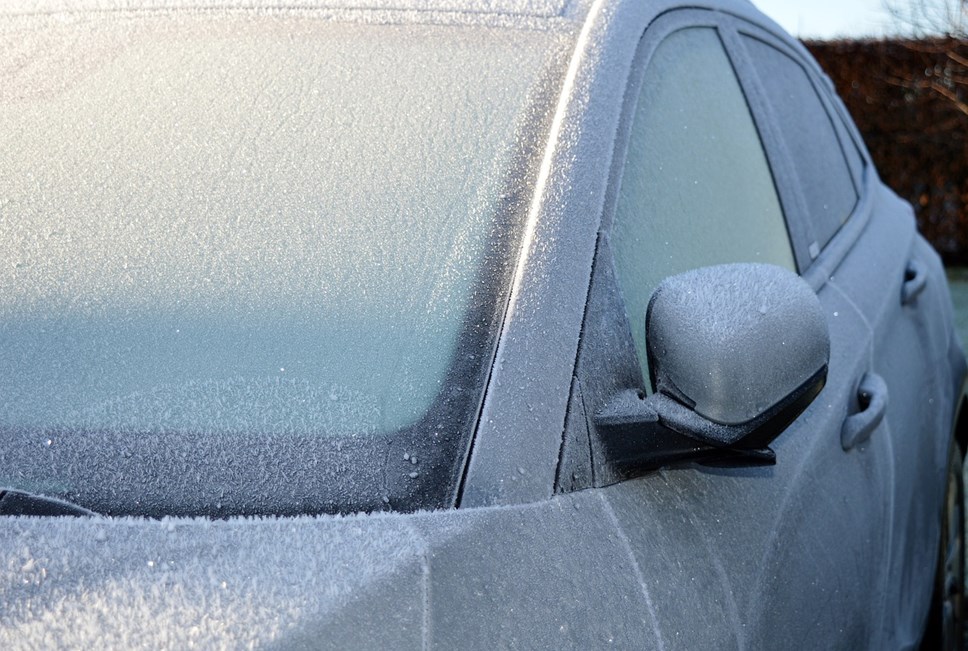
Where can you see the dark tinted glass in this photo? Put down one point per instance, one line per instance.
(810, 137)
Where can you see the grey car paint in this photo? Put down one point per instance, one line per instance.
(831, 548)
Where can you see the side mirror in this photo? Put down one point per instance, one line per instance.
(736, 353)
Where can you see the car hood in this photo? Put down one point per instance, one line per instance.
(449, 579)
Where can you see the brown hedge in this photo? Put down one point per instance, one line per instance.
(910, 102)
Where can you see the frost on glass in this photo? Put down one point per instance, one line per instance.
(696, 190)
(810, 137)
(221, 224)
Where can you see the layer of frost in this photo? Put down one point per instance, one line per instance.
(198, 207)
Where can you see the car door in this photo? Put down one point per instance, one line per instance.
(770, 556)
(872, 254)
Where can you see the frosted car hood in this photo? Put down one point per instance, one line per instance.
(451, 579)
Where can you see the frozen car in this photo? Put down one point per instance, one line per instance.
(507, 324)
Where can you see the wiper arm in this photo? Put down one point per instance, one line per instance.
(17, 502)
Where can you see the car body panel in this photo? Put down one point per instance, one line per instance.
(910, 350)
(835, 500)
(517, 577)
(799, 553)
(762, 531)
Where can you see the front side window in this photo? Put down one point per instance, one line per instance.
(696, 188)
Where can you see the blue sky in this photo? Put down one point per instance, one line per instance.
(829, 18)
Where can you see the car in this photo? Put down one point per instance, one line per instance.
(433, 324)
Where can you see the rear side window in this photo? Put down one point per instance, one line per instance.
(811, 138)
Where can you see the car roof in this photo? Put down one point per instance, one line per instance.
(571, 10)
(533, 8)
(527, 14)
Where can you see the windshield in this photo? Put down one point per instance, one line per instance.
(252, 226)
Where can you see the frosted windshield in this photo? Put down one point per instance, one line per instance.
(248, 223)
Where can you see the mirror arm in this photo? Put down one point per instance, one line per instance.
(634, 439)
(649, 433)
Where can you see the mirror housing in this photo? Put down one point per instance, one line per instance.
(736, 352)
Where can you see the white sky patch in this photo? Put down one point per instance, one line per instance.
(830, 18)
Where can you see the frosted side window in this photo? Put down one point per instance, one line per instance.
(696, 189)
(810, 137)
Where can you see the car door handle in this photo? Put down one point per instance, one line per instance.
(915, 278)
(872, 397)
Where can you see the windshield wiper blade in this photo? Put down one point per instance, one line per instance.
(17, 502)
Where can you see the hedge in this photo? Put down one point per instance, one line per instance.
(910, 102)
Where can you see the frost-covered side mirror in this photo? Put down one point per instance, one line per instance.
(736, 353)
